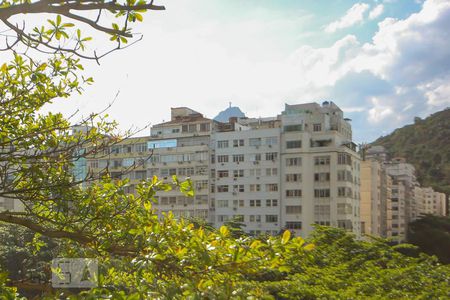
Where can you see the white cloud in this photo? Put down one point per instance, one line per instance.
(437, 92)
(376, 12)
(409, 60)
(353, 16)
(379, 111)
(209, 61)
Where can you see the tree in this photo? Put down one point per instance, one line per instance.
(432, 235)
(38, 152)
(140, 255)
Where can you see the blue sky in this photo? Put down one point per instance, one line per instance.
(382, 62)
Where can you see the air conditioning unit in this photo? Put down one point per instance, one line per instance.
(234, 178)
(234, 193)
(270, 146)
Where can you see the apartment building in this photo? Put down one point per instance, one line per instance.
(432, 202)
(289, 172)
(247, 174)
(283, 172)
(371, 191)
(398, 211)
(386, 204)
(178, 147)
(376, 194)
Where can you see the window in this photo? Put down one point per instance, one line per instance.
(255, 203)
(317, 127)
(271, 171)
(255, 172)
(238, 143)
(222, 188)
(271, 218)
(255, 218)
(296, 177)
(238, 218)
(271, 187)
(322, 211)
(322, 160)
(184, 128)
(255, 157)
(192, 127)
(175, 130)
(289, 128)
(238, 157)
(322, 177)
(271, 141)
(204, 127)
(255, 142)
(222, 173)
(322, 193)
(323, 223)
(142, 147)
(222, 158)
(344, 159)
(140, 175)
(238, 202)
(255, 187)
(201, 185)
(222, 218)
(293, 225)
(222, 144)
(346, 224)
(271, 156)
(238, 188)
(293, 161)
(293, 144)
(222, 203)
(344, 208)
(344, 175)
(345, 192)
(293, 193)
(93, 164)
(293, 209)
(238, 173)
(272, 202)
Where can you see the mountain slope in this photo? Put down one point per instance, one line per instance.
(232, 111)
(426, 145)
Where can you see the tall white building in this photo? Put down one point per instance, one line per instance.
(282, 172)
(288, 172)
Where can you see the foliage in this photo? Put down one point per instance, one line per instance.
(344, 268)
(140, 255)
(424, 144)
(24, 254)
(432, 235)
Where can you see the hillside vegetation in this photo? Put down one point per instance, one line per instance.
(426, 145)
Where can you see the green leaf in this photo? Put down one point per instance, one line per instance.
(139, 17)
(224, 231)
(286, 237)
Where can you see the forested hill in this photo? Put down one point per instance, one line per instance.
(426, 145)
